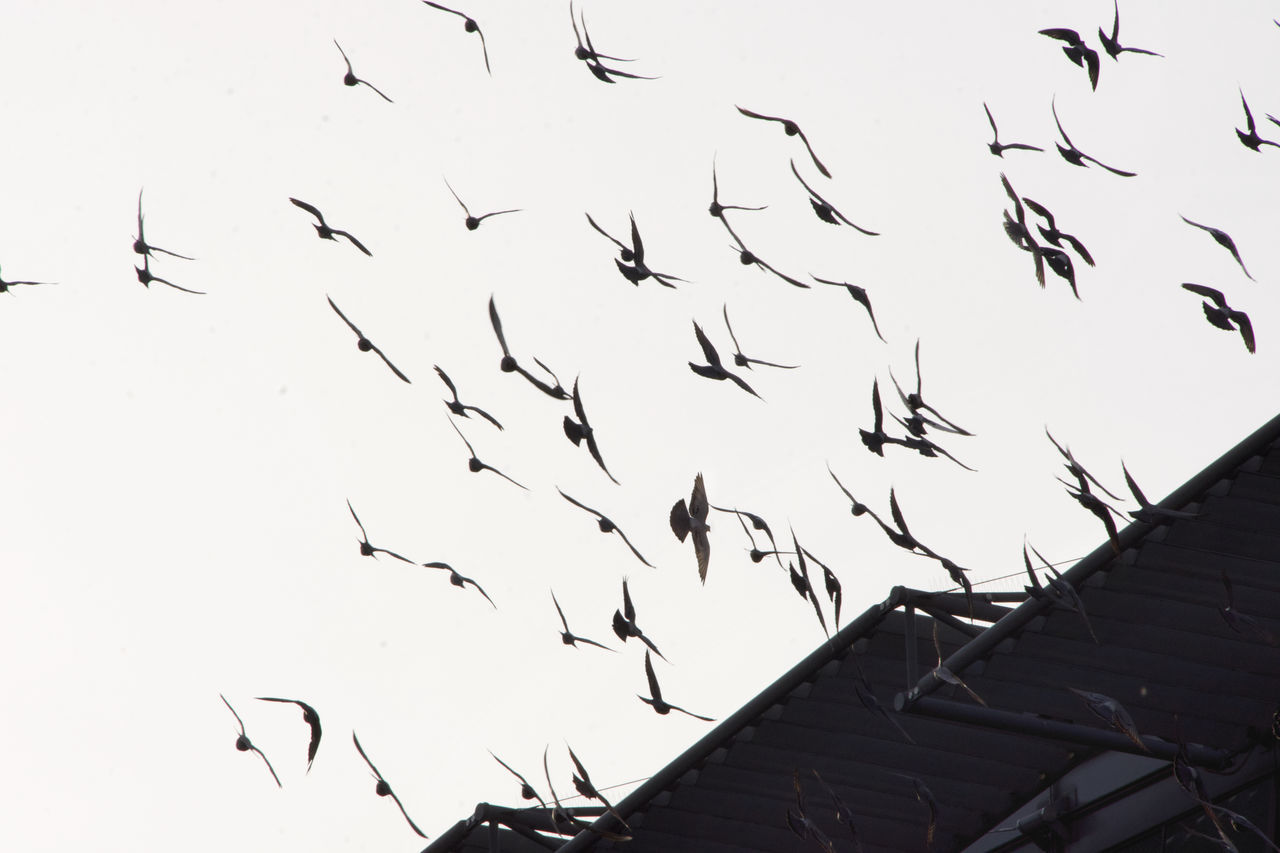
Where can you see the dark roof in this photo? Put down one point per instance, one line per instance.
(1034, 750)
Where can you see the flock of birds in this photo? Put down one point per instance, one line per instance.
(918, 424)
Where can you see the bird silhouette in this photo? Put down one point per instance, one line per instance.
(473, 222)
(581, 429)
(458, 580)
(792, 129)
(588, 54)
(916, 404)
(1113, 714)
(1075, 156)
(1224, 240)
(363, 343)
(663, 707)
(350, 79)
(1083, 477)
(382, 789)
(717, 209)
(876, 438)
(859, 295)
(1059, 592)
(140, 244)
(692, 519)
(824, 210)
(1111, 43)
(1077, 51)
(245, 745)
(1252, 139)
(1147, 511)
(1242, 623)
(995, 145)
(1051, 233)
(568, 637)
(1016, 228)
(469, 24)
(510, 365)
(606, 525)
(367, 550)
(324, 231)
(526, 790)
(747, 257)
(742, 360)
(922, 793)
(799, 822)
(1222, 315)
(457, 407)
(582, 782)
(624, 622)
(713, 369)
(804, 585)
(944, 673)
(144, 276)
(835, 592)
(844, 814)
(311, 718)
(475, 464)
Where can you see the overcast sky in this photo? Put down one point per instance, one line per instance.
(177, 467)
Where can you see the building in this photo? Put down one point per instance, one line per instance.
(982, 745)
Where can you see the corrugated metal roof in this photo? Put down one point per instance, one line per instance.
(1165, 652)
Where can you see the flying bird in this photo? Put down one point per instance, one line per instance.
(1059, 591)
(925, 796)
(1016, 229)
(140, 244)
(526, 790)
(350, 79)
(995, 145)
(824, 209)
(944, 673)
(624, 622)
(473, 222)
(717, 209)
(1075, 156)
(1100, 509)
(832, 584)
(1053, 235)
(367, 550)
(382, 789)
(364, 344)
(582, 782)
(1077, 51)
(857, 507)
(844, 814)
(792, 129)
(458, 580)
(1083, 477)
(457, 407)
(568, 637)
(638, 271)
(713, 369)
(1252, 139)
(747, 257)
(692, 518)
(1113, 714)
(588, 54)
(801, 824)
(144, 276)
(916, 404)
(1222, 315)
(1147, 511)
(742, 360)
(1112, 42)
(1060, 262)
(876, 438)
(469, 24)
(311, 718)
(862, 689)
(1224, 240)
(581, 429)
(510, 365)
(1242, 623)
(859, 295)
(244, 744)
(657, 702)
(606, 526)
(476, 465)
(803, 585)
(324, 231)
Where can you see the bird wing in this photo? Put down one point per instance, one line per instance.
(455, 195)
(350, 324)
(563, 621)
(497, 327)
(309, 209)
(237, 716)
(708, 351)
(995, 133)
(479, 588)
(788, 279)
(354, 241)
(653, 679)
(750, 114)
(1054, 105)
(1207, 293)
(360, 749)
(732, 336)
(698, 505)
(1063, 34)
(639, 556)
(447, 381)
(387, 361)
(1121, 172)
(1246, 328)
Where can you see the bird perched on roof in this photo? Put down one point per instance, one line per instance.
(997, 148)
(469, 24)
(1111, 43)
(1075, 156)
(1222, 315)
(350, 79)
(323, 231)
(659, 705)
(311, 718)
(382, 789)
(1223, 239)
(245, 745)
(692, 519)
(1077, 51)
(792, 129)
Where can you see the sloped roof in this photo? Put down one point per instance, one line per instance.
(1033, 755)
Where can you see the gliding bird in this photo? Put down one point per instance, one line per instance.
(473, 222)
(324, 231)
(995, 145)
(311, 718)
(382, 789)
(470, 25)
(364, 344)
(244, 744)
(350, 79)
(657, 702)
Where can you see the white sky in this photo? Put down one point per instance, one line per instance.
(176, 467)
